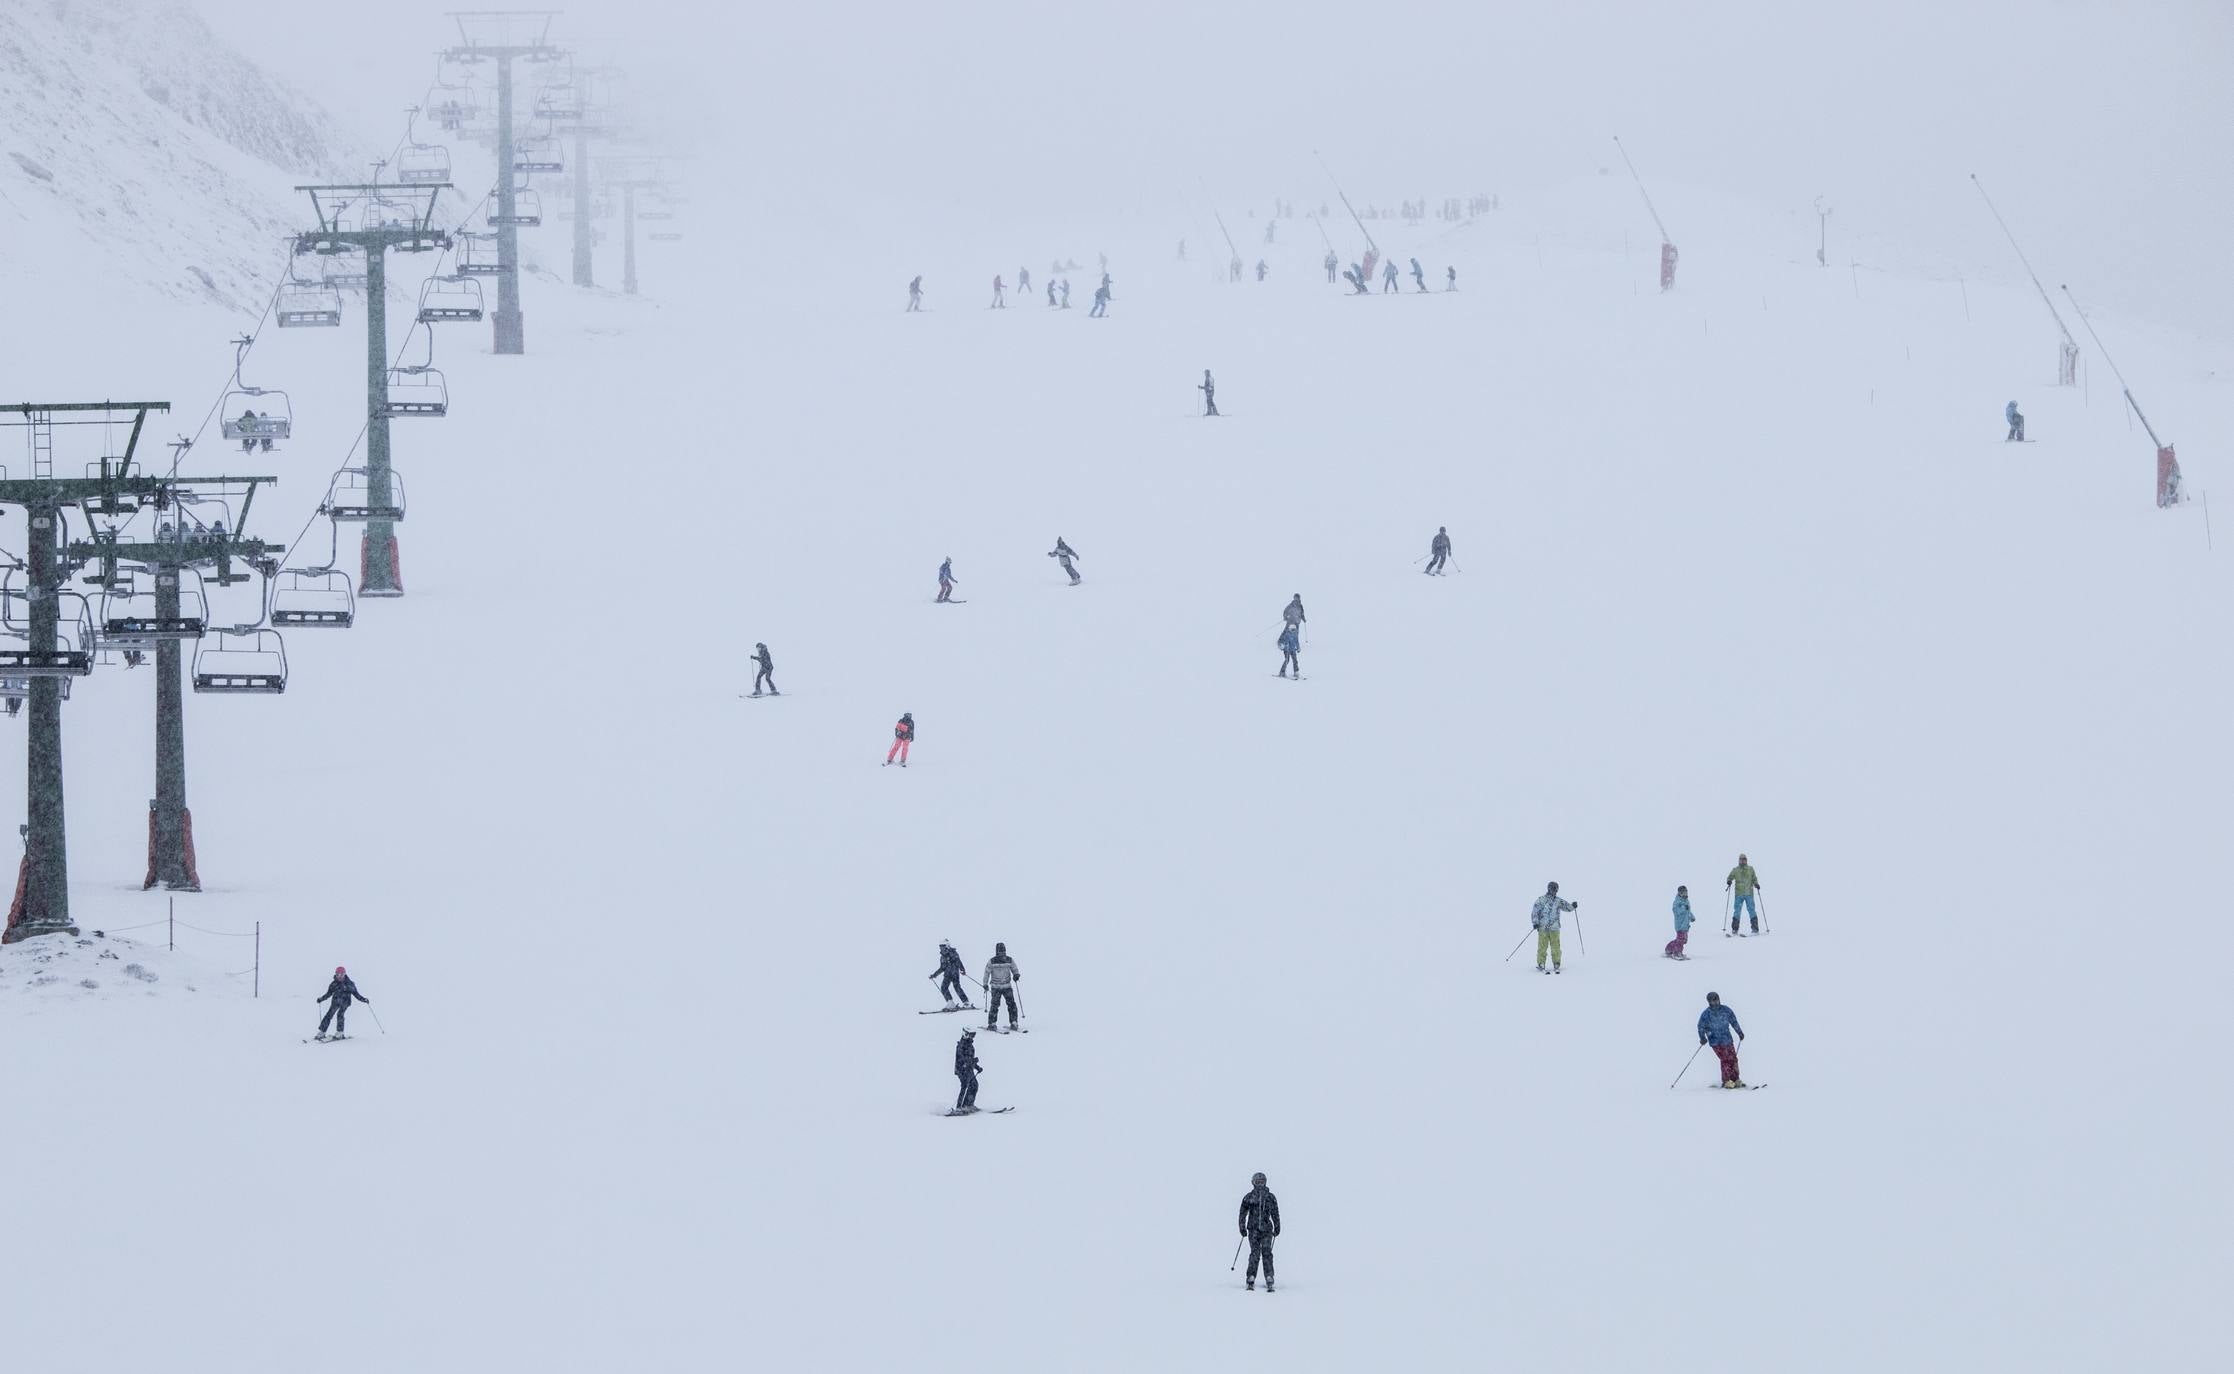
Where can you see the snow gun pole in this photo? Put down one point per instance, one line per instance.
(1338, 194)
(1523, 941)
(1322, 232)
(1641, 190)
(1228, 234)
(1688, 1063)
(2045, 299)
(2113, 367)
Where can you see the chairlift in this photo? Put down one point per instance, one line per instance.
(668, 236)
(531, 155)
(478, 256)
(72, 655)
(655, 214)
(450, 299)
(349, 497)
(527, 210)
(560, 101)
(423, 164)
(129, 618)
(415, 391)
(241, 420)
(307, 305)
(346, 270)
(241, 662)
(313, 598)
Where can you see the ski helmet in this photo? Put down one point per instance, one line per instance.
(1256, 1178)
(1714, 999)
(969, 1033)
(1682, 891)
(340, 972)
(999, 948)
(1551, 887)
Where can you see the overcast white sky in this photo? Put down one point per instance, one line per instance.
(2101, 127)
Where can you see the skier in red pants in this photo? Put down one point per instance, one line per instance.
(903, 735)
(1717, 1025)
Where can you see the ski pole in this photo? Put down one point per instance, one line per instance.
(376, 1018)
(1688, 1062)
(1578, 930)
(1763, 903)
(1236, 1256)
(1516, 948)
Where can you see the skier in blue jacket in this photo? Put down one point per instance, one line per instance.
(1674, 948)
(1717, 1024)
(1289, 646)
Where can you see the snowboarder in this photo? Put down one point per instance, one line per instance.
(1260, 1224)
(767, 671)
(1388, 276)
(1292, 614)
(1674, 949)
(966, 1068)
(1333, 264)
(1289, 647)
(946, 580)
(903, 735)
(1000, 982)
(1544, 918)
(1742, 883)
(1209, 390)
(1063, 554)
(1101, 303)
(341, 991)
(950, 974)
(1419, 277)
(1716, 1025)
(998, 288)
(2016, 420)
(915, 293)
(1450, 279)
(1438, 551)
(1261, 269)
(1355, 280)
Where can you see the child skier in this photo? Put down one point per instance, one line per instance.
(1544, 918)
(342, 991)
(950, 974)
(1674, 948)
(1289, 647)
(903, 735)
(1450, 279)
(966, 1068)
(1742, 883)
(1716, 1025)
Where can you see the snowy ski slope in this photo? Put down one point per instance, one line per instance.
(1744, 567)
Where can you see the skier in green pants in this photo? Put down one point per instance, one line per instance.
(1544, 916)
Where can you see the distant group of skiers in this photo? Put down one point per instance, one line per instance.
(1744, 887)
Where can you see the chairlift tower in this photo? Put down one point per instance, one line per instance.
(503, 37)
(595, 122)
(174, 550)
(632, 175)
(42, 894)
(409, 232)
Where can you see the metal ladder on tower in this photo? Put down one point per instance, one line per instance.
(42, 444)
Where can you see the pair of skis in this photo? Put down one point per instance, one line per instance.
(977, 1111)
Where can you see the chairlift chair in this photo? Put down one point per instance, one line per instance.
(415, 391)
(313, 598)
(531, 155)
(423, 164)
(129, 619)
(242, 421)
(527, 210)
(670, 236)
(307, 305)
(244, 662)
(72, 655)
(450, 299)
(346, 271)
(477, 256)
(559, 102)
(349, 497)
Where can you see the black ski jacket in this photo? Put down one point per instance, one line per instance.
(1441, 544)
(965, 1058)
(767, 663)
(343, 991)
(1260, 1214)
(950, 962)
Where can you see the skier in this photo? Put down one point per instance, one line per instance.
(1292, 614)
(1332, 265)
(1289, 647)
(915, 293)
(1388, 276)
(1674, 948)
(1268, 228)
(1355, 280)
(903, 735)
(2016, 420)
(342, 991)
(1064, 553)
(998, 288)
(1233, 269)
(966, 1068)
(1260, 1223)
(1000, 982)
(1066, 293)
(946, 580)
(1050, 293)
(767, 671)
(1419, 277)
(1716, 1025)
(1450, 279)
(1261, 269)
(1438, 551)
(1209, 390)
(1101, 303)
(950, 973)
(1544, 917)
(1182, 250)
(246, 424)
(1742, 883)
(1023, 282)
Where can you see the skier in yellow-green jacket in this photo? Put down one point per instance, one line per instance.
(1742, 883)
